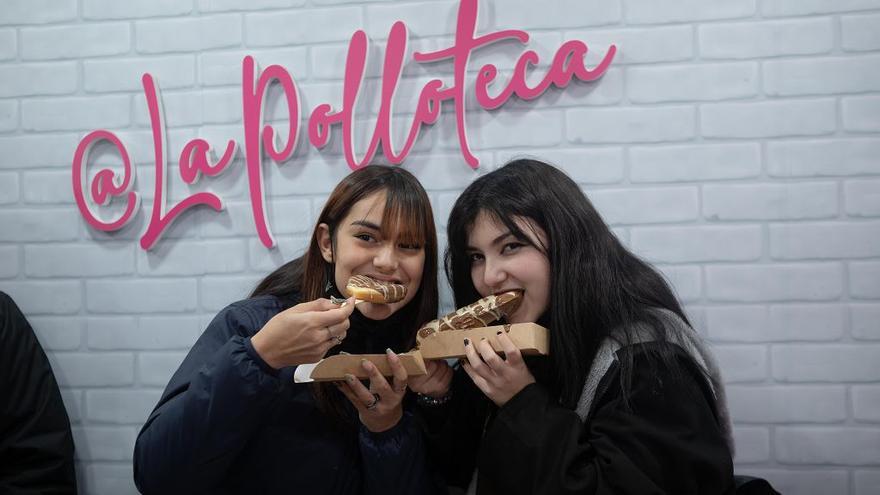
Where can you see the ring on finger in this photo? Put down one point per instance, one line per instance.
(337, 339)
(372, 405)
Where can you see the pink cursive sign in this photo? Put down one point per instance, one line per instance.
(567, 64)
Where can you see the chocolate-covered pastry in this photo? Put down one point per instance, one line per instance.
(371, 290)
(474, 315)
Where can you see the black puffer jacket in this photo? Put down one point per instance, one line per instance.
(228, 423)
(36, 446)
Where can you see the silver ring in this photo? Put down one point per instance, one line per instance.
(337, 339)
(374, 403)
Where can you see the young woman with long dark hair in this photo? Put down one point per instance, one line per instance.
(629, 401)
(231, 420)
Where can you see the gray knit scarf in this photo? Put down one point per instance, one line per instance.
(678, 333)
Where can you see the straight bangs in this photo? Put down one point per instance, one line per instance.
(507, 215)
(503, 208)
(409, 217)
(406, 215)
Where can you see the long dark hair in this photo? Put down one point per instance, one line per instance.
(596, 284)
(408, 208)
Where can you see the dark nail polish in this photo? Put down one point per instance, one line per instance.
(498, 332)
(467, 342)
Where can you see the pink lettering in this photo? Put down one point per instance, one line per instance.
(159, 219)
(460, 53)
(194, 160)
(253, 100)
(102, 186)
(567, 64)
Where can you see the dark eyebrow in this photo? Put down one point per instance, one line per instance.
(501, 237)
(495, 241)
(369, 225)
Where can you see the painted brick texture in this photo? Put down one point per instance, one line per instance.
(735, 144)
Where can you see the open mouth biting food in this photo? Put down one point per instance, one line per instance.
(368, 289)
(475, 315)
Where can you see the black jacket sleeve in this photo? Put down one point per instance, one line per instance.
(663, 439)
(208, 410)
(36, 445)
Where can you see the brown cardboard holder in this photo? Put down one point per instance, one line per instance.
(530, 338)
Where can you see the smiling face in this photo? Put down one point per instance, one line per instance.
(360, 246)
(501, 262)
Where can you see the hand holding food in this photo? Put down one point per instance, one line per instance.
(435, 382)
(379, 405)
(303, 333)
(500, 378)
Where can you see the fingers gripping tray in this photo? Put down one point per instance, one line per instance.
(530, 338)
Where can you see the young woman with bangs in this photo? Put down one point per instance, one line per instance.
(629, 401)
(231, 420)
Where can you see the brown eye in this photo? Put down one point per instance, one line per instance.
(511, 247)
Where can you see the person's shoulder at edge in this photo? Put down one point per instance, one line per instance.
(6, 302)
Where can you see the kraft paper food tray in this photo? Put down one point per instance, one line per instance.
(529, 338)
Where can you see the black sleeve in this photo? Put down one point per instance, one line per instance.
(36, 446)
(666, 440)
(208, 410)
(454, 430)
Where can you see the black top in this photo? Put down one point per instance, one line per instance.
(667, 438)
(36, 446)
(228, 423)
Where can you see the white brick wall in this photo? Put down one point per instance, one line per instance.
(71, 42)
(860, 33)
(709, 82)
(37, 12)
(37, 79)
(766, 39)
(8, 44)
(734, 143)
(768, 119)
(864, 319)
(646, 12)
(860, 113)
(825, 157)
(108, 9)
(752, 444)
